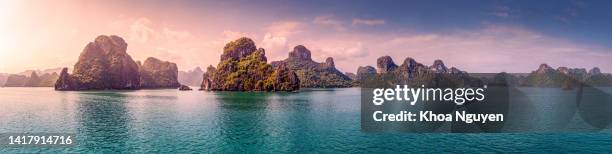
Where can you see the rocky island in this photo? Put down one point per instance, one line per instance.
(155, 73)
(104, 64)
(313, 74)
(243, 67)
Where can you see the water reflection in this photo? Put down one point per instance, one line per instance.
(103, 121)
(241, 121)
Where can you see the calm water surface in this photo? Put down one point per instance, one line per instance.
(319, 120)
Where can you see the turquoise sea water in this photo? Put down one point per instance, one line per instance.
(313, 120)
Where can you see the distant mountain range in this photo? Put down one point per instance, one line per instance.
(32, 80)
(191, 77)
(412, 72)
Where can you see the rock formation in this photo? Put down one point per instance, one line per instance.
(439, 67)
(155, 73)
(411, 67)
(313, 74)
(184, 88)
(385, 64)
(191, 77)
(353, 76)
(207, 78)
(413, 73)
(103, 64)
(243, 67)
(64, 82)
(33, 80)
(364, 72)
(567, 78)
(594, 71)
(48, 80)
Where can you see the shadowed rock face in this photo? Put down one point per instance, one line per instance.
(207, 78)
(103, 64)
(243, 67)
(410, 72)
(300, 52)
(155, 73)
(353, 76)
(439, 67)
(184, 88)
(594, 71)
(313, 74)
(33, 81)
(567, 78)
(364, 72)
(385, 64)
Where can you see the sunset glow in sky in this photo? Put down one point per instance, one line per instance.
(476, 36)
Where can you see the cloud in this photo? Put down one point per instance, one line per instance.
(141, 30)
(571, 13)
(329, 21)
(230, 35)
(369, 22)
(503, 11)
(495, 49)
(277, 36)
(274, 45)
(284, 28)
(175, 35)
(345, 52)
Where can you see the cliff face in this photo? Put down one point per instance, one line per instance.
(191, 77)
(313, 74)
(243, 67)
(48, 80)
(103, 64)
(207, 78)
(353, 76)
(33, 80)
(385, 64)
(364, 72)
(155, 73)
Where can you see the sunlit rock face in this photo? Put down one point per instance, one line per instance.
(103, 64)
(155, 73)
(313, 74)
(243, 67)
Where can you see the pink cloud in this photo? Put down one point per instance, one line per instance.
(369, 22)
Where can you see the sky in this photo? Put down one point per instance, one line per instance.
(475, 36)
